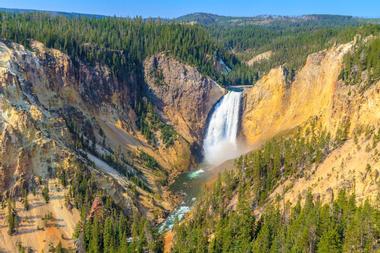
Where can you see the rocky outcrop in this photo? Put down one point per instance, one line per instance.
(96, 84)
(182, 94)
(273, 106)
(27, 147)
(259, 58)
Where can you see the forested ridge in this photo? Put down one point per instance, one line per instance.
(124, 43)
(340, 226)
(208, 19)
(120, 43)
(290, 39)
(290, 45)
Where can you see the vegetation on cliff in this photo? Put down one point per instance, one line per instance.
(281, 157)
(149, 123)
(104, 226)
(362, 67)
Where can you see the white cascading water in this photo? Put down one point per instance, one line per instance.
(220, 141)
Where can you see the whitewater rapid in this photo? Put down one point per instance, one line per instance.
(220, 142)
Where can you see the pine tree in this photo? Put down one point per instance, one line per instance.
(59, 248)
(245, 226)
(330, 242)
(45, 193)
(11, 217)
(94, 242)
(26, 201)
(108, 235)
(263, 241)
(123, 247)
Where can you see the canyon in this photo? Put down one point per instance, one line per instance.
(139, 136)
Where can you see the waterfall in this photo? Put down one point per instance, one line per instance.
(220, 141)
(219, 145)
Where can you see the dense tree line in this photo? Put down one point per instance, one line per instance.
(255, 35)
(290, 41)
(106, 227)
(340, 226)
(115, 232)
(121, 43)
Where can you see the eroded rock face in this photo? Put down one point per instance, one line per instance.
(183, 95)
(27, 147)
(96, 84)
(272, 106)
(44, 99)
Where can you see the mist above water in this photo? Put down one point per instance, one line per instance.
(220, 143)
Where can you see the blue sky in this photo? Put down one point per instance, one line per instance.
(175, 8)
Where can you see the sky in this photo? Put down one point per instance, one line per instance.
(175, 8)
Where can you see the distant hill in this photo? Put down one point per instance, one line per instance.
(205, 18)
(213, 19)
(208, 19)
